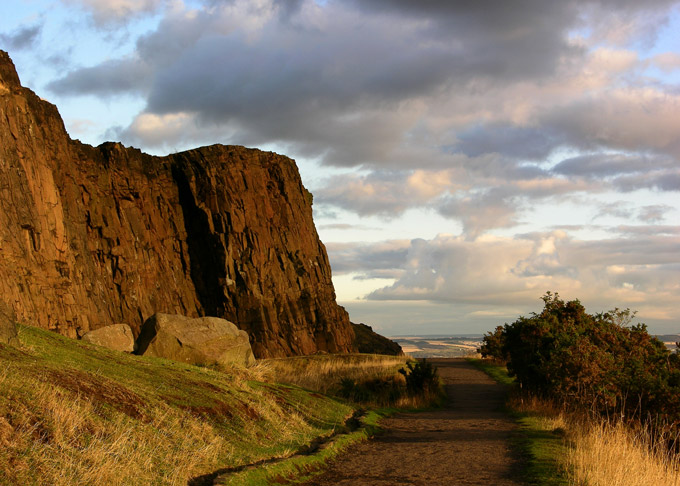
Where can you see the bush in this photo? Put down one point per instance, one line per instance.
(597, 362)
(421, 377)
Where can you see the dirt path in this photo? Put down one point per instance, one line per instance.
(464, 443)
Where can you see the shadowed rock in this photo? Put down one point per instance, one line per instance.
(368, 341)
(118, 337)
(199, 341)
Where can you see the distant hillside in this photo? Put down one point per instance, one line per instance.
(368, 341)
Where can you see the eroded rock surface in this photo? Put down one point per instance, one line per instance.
(8, 328)
(199, 341)
(92, 236)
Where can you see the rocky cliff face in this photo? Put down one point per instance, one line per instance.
(91, 236)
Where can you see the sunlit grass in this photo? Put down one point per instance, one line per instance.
(72, 413)
(585, 451)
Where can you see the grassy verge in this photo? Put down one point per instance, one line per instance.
(301, 468)
(382, 387)
(540, 439)
(578, 449)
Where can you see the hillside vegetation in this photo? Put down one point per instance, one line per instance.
(74, 413)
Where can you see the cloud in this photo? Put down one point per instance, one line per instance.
(462, 108)
(602, 165)
(108, 12)
(654, 213)
(640, 273)
(526, 143)
(667, 61)
(22, 38)
(385, 259)
(108, 79)
(387, 193)
(632, 119)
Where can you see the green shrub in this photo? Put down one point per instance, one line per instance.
(598, 362)
(421, 377)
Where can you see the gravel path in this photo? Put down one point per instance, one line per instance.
(464, 443)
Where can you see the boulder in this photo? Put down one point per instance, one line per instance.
(118, 337)
(199, 341)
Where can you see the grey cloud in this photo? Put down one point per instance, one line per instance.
(649, 250)
(630, 120)
(529, 143)
(665, 180)
(379, 260)
(647, 230)
(332, 91)
(618, 209)
(23, 38)
(107, 79)
(599, 165)
(653, 213)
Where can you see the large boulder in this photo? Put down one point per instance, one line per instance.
(118, 337)
(200, 341)
(8, 328)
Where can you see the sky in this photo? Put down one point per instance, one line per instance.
(465, 156)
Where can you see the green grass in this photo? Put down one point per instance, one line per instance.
(75, 413)
(539, 440)
(302, 468)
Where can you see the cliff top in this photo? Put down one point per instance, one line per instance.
(8, 73)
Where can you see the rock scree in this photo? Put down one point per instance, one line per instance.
(93, 236)
(199, 341)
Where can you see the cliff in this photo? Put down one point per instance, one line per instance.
(92, 236)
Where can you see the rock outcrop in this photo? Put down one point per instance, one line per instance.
(198, 341)
(8, 332)
(92, 236)
(370, 342)
(118, 337)
(8, 327)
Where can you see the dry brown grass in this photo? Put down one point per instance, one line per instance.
(606, 454)
(323, 373)
(62, 421)
(377, 374)
(63, 439)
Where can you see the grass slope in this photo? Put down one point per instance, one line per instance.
(75, 413)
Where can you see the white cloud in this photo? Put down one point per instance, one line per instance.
(111, 11)
(493, 271)
(667, 61)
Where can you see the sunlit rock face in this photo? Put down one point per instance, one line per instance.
(92, 236)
